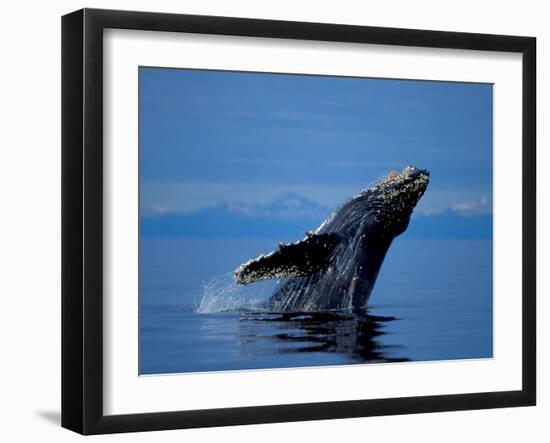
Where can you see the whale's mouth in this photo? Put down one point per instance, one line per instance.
(398, 193)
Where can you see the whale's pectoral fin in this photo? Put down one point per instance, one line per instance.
(291, 260)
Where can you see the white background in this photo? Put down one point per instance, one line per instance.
(126, 393)
(30, 222)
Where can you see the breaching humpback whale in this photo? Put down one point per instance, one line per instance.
(335, 267)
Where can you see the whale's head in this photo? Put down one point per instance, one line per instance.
(388, 204)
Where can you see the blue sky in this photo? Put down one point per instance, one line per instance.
(245, 140)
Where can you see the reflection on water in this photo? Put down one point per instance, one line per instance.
(174, 340)
(432, 301)
(351, 335)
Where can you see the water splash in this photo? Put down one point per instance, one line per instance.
(222, 294)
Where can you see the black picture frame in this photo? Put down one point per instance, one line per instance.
(82, 218)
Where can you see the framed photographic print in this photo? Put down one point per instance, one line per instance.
(268, 221)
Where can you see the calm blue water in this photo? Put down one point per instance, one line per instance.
(432, 301)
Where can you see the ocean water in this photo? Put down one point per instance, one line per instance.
(432, 301)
